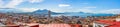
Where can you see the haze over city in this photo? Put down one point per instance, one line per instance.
(88, 6)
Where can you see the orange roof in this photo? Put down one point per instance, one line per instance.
(55, 25)
(110, 23)
(76, 25)
(106, 22)
(32, 24)
(113, 26)
(59, 25)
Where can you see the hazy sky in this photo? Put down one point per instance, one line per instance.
(91, 6)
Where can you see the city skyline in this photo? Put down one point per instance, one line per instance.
(59, 13)
(89, 6)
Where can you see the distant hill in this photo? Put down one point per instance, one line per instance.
(45, 11)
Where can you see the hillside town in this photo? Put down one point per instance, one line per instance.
(25, 20)
(59, 13)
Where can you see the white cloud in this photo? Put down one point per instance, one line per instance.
(28, 9)
(1, 3)
(110, 11)
(72, 10)
(61, 10)
(19, 10)
(13, 3)
(86, 10)
(90, 7)
(35, 1)
(57, 10)
(84, 3)
(64, 5)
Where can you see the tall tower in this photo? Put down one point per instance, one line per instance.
(49, 14)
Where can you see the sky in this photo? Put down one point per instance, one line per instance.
(88, 6)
